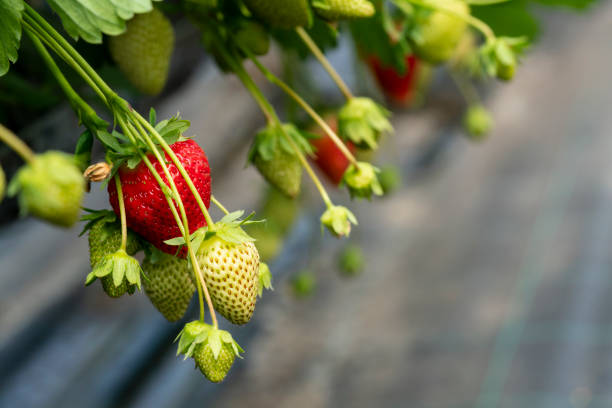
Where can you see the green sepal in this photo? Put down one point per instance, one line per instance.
(94, 216)
(338, 219)
(264, 279)
(363, 122)
(501, 57)
(120, 266)
(362, 180)
(273, 138)
(196, 332)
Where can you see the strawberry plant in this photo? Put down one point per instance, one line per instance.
(159, 181)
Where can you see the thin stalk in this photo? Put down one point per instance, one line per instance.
(186, 235)
(311, 112)
(312, 46)
(266, 106)
(86, 114)
(466, 88)
(15, 143)
(218, 204)
(36, 30)
(121, 212)
(31, 13)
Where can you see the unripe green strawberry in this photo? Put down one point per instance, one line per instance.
(2, 183)
(282, 13)
(231, 273)
(478, 122)
(213, 350)
(283, 171)
(104, 239)
(303, 284)
(169, 285)
(215, 369)
(351, 260)
(333, 10)
(50, 187)
(276, 159)
(143, 51)
(440, 32)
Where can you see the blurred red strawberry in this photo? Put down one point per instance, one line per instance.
(398, 88)
(328, 157)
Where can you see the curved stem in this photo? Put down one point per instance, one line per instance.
(466, 88)
(311, 112)
(85, 112)
(468, 18)
(15, 143)
(218, 204)
(121, 212)
(266, 106)
(36, 30)
(312, 46)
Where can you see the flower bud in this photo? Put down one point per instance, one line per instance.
(362, 181)
(337, 219)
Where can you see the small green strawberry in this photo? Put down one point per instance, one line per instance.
(282, 13)
(169, 284)
(2, 184)
(104, 240)
(50, 187)
(229, 263)
(303, 284)
(143, 51)
(362, 181)
(363, 122)
(334, 10)
(265, 279)
(253, 36)
(213, 350)
(276, 159)
(438, 33)
(351, 260)
(477, 122)
(338, 219)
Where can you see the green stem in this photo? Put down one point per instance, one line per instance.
(121, 212)
(15, 143)
(128, 128)
(266, 106)
(85, 112)
(468, 18)
(316, 51)
(466, 88)
(45, 37)
(300, 101)
(218, 204)
(31, 13)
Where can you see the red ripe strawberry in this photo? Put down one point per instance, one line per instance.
(328, 157)
(398, 88)
(147, 210)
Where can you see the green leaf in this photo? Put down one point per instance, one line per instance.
(89, 19)
(484, 2)
(576, 4)
(10, 32)
(109, 141)
(512, 19)
(82, 151)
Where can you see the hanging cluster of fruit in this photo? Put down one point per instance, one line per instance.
(159, 182)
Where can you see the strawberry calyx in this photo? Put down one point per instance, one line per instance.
(338, 219)
(501, 56)
(271, 140)
(197, 332)
(362, 181)
(363, 122)
(264, 279)
(120, 266)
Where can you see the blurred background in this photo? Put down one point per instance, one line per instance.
(486, 274)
